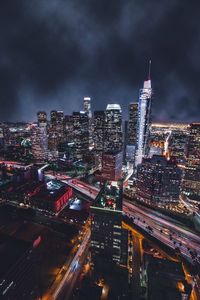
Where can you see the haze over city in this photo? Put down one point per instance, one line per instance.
(99, 150)
(53, 53)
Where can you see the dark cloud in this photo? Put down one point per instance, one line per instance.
(54, 52)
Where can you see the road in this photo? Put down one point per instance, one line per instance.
(169, 232)
(192, 208)
(164, 229)
(69, 279)
(86, 189)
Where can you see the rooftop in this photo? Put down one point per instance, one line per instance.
(113, 107)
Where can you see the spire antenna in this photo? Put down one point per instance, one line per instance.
(149, 73)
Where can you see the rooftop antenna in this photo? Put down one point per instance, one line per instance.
(149, 73)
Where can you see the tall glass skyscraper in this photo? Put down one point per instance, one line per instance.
(144, 118)
(87, 106)
(113, 128)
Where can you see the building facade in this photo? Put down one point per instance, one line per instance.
(108, 238)
(144, 120)
(80, 134)
(113, 139)
(158, 180)
(112, 165)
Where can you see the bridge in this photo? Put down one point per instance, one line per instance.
(82, 187)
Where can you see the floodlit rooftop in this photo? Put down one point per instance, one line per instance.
(113, 106)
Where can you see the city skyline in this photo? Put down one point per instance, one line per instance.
(53, 55)
(99, 150)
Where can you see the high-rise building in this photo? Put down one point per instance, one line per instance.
(81, 134)
(87, 110)
(112, 165)
(193, 147)
(87, 106)
(113, 128)
(108, 238)
(98, 137)
(191, 180)
(43, 134)
(158, 180)
(42, 118)
(56, 130)
(39, 143)
(132, 125)
(177, 145)
(144, 119)
(68, 128)
(131, 139)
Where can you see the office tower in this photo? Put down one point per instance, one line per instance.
(144, 119)
(42, 130)
(177, 145)
(57, 118)
(81, 134)
(108, 238)
(132, 125)
(68, 128)
(42, 118)
(191, 180)
(39, 143)
(56, 129)
(87, 106)
(112, 165)
(98, 137)
(158, 180)
(87, 110)
(1, 137)
(113, 128)
(131, 140)
(125, 139)
(193, 147)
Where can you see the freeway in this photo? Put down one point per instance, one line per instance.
(166, 230)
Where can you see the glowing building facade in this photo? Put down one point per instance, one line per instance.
(113, 128)
(144, 119)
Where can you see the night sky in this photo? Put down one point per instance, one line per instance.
(55, 52)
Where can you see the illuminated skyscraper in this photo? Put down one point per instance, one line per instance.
(132, 125)
(39, 137)
(113, 128)
(39, 143)
(56, 130)
(144, 119)
(99, 121)
(131, 139)
(42, 118)
(68, 128)
(87, 110)
(87, 106)
(158, 180)
(193, 148)
(191, 180)
(80, 134)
